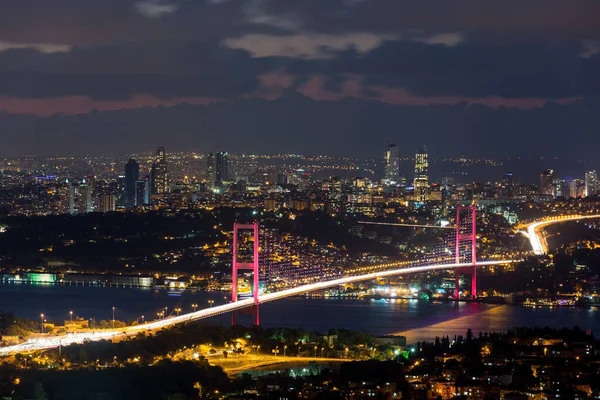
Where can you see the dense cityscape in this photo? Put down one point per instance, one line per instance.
(164, 221)
(309, 199)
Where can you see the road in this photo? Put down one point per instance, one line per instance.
(281, 360)
(64, 340)
(534, 231)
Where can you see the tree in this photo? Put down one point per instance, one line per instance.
(178, 396)
(38, 392)
(82, 356)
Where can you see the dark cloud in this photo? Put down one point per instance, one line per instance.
(165, 69)
(117, 54)
(79, 22)
(171, 69)
(542, 18)
(471, 69)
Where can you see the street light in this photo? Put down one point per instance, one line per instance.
(113, 309)
(177, 310)
(322, 349)
(142, 319)
(71, 315)
(166, 311)
(210, 303)
(315, 353)
(194, 306)
(284, 349)
(42, 319)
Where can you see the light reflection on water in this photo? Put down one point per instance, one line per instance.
(417, 320)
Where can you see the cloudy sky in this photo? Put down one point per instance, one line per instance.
(347, 76)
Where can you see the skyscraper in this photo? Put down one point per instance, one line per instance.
(160, 174)
(222, 170)
(132, 174)
(217, 168)
(508, 184)
(108, 203)
(547, 182)
(391, 174)
(80, 197)
(211, 170)
(142, 192)
(421, 182)
(508, 181)
(591, 183)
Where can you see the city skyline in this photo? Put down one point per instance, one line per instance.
(267, 76)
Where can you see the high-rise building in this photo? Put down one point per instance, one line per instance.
(577, 188)
(211, 170)
(559, 188)
(217, 168)
(222, 170)
(132, 174)
(591, 183)
(421, 182)
(508, 184)
(142, 192)
(108, 203)
(80, 197)
(241, 167)
(508, 181)
(392, 165)
(547, 183)
(160, 174)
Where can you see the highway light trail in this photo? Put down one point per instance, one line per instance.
(65, 340)
(534, 231)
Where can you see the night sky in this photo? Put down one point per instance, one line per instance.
(493, 78)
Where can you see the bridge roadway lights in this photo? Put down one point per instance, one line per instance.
(236, 266)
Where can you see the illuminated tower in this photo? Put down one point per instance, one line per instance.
(466, 246)
(160, 174)
(211, 170)
(222, 167)
(252, 266)
(217, 168)
(591, 183)
(421, 182)
(132, 174)
(392, 165)
(547, 182)
(80, 197)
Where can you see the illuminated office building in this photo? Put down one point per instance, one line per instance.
(160, 173)
(421, 182)
(217, 168)
(591, 183)
(547, 183)
(80, 197)
(392, 165)
(132, 174)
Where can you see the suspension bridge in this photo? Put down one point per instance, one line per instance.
(298, 275)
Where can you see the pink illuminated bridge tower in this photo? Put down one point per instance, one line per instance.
(466, 242)
(245, 266)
